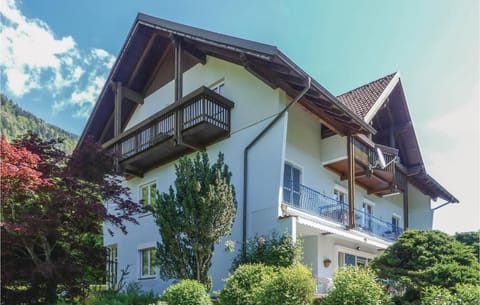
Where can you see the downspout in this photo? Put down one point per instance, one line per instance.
(252, 143)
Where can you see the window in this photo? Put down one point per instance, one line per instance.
(112, 263)
(348, 259)
(291, 184)
(367, 214)
(148, 194)
(218, 88)
(395, 223)
(147, 262)
(340, 195)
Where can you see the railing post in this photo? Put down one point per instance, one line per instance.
(351, 181)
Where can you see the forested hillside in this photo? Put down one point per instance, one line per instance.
(15, 122)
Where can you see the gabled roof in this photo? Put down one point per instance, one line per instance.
(362, 99)
(150, 41)
(383, 104)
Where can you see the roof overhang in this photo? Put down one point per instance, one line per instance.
(150, 39)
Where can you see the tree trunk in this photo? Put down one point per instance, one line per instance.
(51, 292)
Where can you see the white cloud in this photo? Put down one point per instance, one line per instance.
(456, 165)
(33, 58)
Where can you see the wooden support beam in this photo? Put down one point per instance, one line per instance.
(405, 207)
(117, 122)
(133, 171)
(132, 95)
(178, 82)
(142, 58)
(105, 128)
(250, 68)
(157, 67)
(380, 190)
(199, 55)
(351, 181)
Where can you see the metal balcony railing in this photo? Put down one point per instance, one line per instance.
(313, 202)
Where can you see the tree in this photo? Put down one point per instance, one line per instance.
(193, 217)
(52, 214)
(471, 239)
(426, 258)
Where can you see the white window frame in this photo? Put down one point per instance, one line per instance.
(218, 87)
(300, 179)
(340, 189)
(398, 218)
(356, 253)
(152, 270)
(371, 204)
(140, 192)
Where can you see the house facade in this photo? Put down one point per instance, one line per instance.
(344, 174)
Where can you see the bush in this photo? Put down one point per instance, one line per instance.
(465, 294)
(292, 285)
(245, 285)
(275, 250)
(132, 295)
(186, 292)
(356, 286)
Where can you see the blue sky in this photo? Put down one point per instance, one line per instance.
(55, 56)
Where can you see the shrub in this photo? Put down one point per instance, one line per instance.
(466, 294)
(356, 286)
(132, 295)
(292, 285)
(275, 250)
(186, 292)
(245, 285)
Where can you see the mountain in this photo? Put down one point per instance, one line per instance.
(15, 122)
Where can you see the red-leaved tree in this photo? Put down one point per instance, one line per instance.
(52, 212)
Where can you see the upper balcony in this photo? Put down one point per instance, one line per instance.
(197, 120)
(308, 200)
(376, 180)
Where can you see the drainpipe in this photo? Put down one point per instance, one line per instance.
(252, 143)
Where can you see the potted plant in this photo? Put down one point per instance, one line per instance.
(327, 262)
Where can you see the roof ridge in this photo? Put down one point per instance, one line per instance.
(369, 83)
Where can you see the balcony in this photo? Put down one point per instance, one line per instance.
(308, 200)
(375, 180)
(197, 120)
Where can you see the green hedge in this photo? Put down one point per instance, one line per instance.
(356, 286)
(186, 292)
(258, 284)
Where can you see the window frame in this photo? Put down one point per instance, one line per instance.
(218, 87)
(140, 193)
(112, 266)
(341, 190)
(291, 200)
(356, 253)
(151, 269)
(367, 221)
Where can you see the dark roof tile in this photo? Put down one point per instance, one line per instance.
(362, 99)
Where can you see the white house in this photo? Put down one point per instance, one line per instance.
(343, 173)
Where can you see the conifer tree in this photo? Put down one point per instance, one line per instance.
(193, 217)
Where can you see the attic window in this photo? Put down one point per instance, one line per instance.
(218, 88)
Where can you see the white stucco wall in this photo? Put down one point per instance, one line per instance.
(255, 106)
(419, 209)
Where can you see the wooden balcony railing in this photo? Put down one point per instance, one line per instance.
(199, 119)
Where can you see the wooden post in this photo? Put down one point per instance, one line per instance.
(405, 206)
(178, 88)
(117, 119)
(351, 181)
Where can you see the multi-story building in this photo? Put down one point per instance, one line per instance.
(343, 173)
